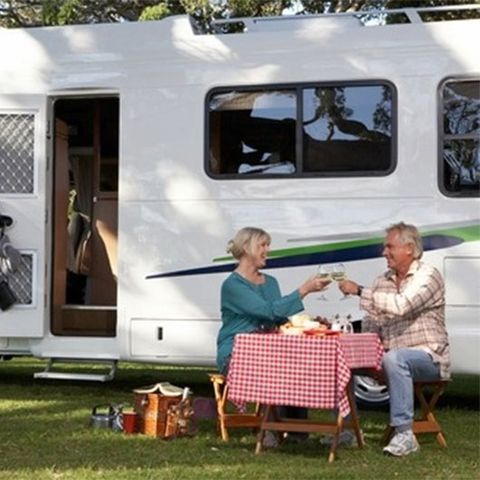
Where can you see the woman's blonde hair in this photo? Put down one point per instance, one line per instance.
(245, 239)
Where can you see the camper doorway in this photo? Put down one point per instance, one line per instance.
(85, 217)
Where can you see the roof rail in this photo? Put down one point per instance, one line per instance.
(255, 24)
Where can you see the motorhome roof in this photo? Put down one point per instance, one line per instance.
(341, 19)
(114, 56)
(186, 26)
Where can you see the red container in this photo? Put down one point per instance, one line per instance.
(130, 422)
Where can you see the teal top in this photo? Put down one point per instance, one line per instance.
(247, 307)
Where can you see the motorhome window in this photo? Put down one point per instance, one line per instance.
(297, 131)
(460, 138)
(347, 129)
(253, 132)
(16, 153)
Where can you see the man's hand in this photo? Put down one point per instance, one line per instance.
(348, 287)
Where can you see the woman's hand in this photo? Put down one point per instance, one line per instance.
(313, 284)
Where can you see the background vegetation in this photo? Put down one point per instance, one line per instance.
(29, 13)
(45, 434)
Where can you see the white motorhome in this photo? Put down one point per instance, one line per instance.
(131, 153)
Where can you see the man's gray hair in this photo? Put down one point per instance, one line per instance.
(409, 234)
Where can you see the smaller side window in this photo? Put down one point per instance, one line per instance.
(460, 138)
(17, 153)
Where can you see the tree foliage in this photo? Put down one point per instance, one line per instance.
(31, 13)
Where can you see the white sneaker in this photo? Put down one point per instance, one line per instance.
(347, 438)
(401, 444)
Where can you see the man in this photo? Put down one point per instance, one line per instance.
(406, 307)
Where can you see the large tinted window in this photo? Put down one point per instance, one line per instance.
(460, 138)
(314, 130)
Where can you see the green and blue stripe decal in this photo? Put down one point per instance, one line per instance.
(344, 251)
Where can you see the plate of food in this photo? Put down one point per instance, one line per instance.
(302, 320)
(289, 329)
(321, 332)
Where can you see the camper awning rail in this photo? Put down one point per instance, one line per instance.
(351, 19)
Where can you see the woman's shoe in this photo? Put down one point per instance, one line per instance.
(270, 440)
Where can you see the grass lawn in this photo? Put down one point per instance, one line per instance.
(45, 434)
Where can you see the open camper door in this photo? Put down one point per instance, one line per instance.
(23, 179)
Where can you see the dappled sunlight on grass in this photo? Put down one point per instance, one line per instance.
(45, 433)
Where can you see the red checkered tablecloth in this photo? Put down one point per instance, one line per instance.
(299, 370)
(362, 350)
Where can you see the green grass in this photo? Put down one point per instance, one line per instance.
(45, 434)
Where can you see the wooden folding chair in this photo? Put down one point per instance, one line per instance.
(227, 420)
(427, 423)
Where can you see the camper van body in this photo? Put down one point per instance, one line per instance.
(161, 235)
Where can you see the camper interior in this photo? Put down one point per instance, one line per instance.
(85, 213)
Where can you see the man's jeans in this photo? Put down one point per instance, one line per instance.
(402, 367)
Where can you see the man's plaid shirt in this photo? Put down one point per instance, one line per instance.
(412, 315)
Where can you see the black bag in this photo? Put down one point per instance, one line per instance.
(7, 297)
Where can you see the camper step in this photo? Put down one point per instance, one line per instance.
(96, 377)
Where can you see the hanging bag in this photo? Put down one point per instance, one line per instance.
(10, 257)
(7, 297)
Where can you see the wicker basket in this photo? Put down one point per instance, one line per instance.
(152, 410)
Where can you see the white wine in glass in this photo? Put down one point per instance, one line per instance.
(339, 273)
(324, 273)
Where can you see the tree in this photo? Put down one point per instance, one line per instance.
(260, 8)
(31, 13)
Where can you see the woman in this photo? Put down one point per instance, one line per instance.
(251, 300)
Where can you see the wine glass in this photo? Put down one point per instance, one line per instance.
(324, 273)
(339, 273)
